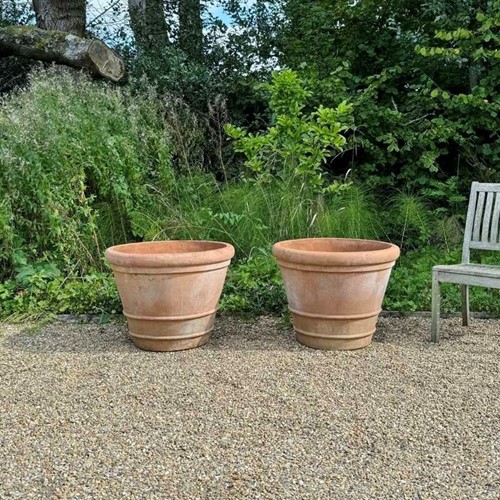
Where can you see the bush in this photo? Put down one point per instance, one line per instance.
(37, 291)
(76, 161)
(423, 81)
(254, 286)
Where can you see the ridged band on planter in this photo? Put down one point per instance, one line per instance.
(335, 288)
(170, 290)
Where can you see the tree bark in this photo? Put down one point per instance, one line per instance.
(63, 48)
(61, 15)
(191, 29)
(147, 20)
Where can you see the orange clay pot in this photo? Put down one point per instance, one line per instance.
(335, 288)
(170, 290)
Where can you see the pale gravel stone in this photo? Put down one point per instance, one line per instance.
(252, 414)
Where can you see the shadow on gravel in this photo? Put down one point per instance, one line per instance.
(55, 338)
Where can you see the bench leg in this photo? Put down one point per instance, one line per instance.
(436, 306)
(465, 305)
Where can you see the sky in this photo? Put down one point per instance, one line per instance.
(218, 12)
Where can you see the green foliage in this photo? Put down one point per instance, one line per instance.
(72, 151)
(286, 182)
(354, 213)
(254, 286)
(473, 110)
(96, 169)
(37, 292)
(389, 110)
(411, 218)
(297, 144)
(172, 73)
(419, 119)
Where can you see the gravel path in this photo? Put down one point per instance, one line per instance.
(250, 415)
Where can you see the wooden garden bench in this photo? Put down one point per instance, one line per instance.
(481, 233)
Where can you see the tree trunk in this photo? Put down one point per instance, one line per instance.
(63, 48)
(147, 20)
(61, 15)
(191, 29)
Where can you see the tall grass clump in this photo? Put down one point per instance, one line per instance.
(411, 219)
(76, 159)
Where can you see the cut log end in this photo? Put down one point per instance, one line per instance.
(106, 62)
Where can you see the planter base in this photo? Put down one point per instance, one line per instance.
(159, 345)
(335, 332)
(170, 334)
(332, 343)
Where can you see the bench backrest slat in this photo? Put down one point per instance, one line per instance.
(483, 219)
(496, 219)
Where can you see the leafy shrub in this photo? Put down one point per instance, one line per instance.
(422, 113)
(76, 161)
(472, 112)
(283, 193)
(86, 165)
(297, 144)
(39, 291)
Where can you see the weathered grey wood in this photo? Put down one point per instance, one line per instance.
(479, 245)
(485, 186)
(436, 308)
(485, 233)
(481, 233)
(465, 305)
(495, 220)
(478, 216)
(469, 222)
(474, 269)
(466, 279)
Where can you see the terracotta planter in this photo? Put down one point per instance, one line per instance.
(335, 288)
(170, 290)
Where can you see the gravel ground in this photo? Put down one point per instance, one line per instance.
(252, 414)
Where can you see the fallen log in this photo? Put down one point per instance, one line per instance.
(89, 54)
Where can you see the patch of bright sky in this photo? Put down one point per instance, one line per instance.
(218, 12)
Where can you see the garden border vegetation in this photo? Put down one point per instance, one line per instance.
(206, 149)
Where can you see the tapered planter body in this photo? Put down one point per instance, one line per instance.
(335, 288)
(170, 290)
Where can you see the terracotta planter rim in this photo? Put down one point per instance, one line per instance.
(335, 251)
(169, 253)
